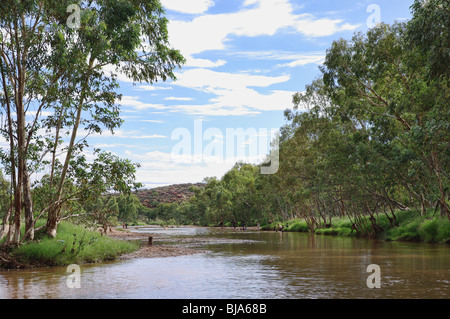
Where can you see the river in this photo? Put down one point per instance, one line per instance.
(251, 265)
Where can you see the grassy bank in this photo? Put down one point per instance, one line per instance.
(74, 244)
(410, 226)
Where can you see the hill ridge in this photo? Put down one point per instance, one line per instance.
(176, 193)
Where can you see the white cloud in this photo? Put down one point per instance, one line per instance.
(312, 27)
(203, 63)
(188, 6)
(266, 17)
(296, 58)
(215, 110)
(133, 102)
(275, 100)
(234, 92)
(127, 134)
(153, 88)
(216, 82)
(173, 98)
(115, 145)
(152, 121)
(209, 32)
(4, 143)
(304, 60)
(110, 70)
(159, 168)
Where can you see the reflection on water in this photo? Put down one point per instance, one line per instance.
(259, 265)
(174, 231)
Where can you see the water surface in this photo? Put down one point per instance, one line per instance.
(259, 265)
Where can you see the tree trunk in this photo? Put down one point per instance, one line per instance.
(442, 190)
(52, 222)
(4, 230)
(21, 142)
(16, 189)
(423, 210)
(17, 206)
(27, 205)
(53, 214)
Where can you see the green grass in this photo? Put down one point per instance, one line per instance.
(410, 226)
(298, 225)
(73, 244)
(430, 229)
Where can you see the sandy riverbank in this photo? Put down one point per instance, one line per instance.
(150, 251)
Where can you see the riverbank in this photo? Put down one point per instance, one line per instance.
(147, 250)
(74, 244)
(410, 226)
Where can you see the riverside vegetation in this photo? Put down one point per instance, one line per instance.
(54, 89)
(364, 152)
(74, 244)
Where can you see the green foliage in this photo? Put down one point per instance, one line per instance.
(406, 231)
(364, 151)
(297, 226)
(429, 30)
(443, 232)
(66, 78)
(428, 230)
(73, 244)
(5, 196)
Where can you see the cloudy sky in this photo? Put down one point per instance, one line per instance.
(245, 60)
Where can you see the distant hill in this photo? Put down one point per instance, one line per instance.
(166, 194)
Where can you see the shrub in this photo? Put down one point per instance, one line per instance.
(428, 230)
(408, 231)
(443, 231)
(298, 227)
(73, 244)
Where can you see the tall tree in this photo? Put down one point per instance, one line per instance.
(429, 30)
(59, 77)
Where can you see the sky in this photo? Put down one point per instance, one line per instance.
(244, 61)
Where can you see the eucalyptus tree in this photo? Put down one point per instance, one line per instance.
(429, 30)
(239, 183)
(375, 133)
(59, 64)
(380, 81)
(5, 205)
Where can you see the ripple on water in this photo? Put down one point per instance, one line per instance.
(251, 265)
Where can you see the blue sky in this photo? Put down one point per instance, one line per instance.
(245, 60)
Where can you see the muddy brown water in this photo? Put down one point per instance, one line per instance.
(250, 265)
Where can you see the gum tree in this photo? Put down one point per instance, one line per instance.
(58, 71)
(381, 82)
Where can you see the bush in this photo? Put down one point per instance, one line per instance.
(343, 222)
(443, 231)
(411, 226)
(300, 226)
(408, 231)
(428, 230)
(73, 244)
(435, 230)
